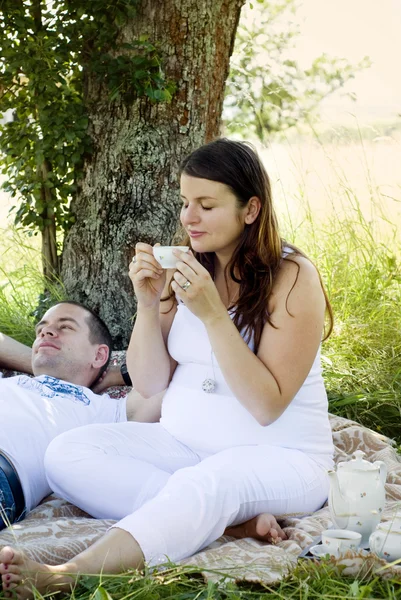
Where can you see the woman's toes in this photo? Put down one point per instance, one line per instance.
(7, 555)
(10, 569)
(10, 581)
(13, 578)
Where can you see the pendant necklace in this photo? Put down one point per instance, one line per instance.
(209, 384)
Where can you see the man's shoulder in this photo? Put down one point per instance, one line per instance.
(14, 378)
(50, 386)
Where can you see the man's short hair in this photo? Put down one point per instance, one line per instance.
(98, 331)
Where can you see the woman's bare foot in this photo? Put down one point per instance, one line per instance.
(264, 527)
(20, 575)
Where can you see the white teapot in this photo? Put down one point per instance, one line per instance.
(386, 540)
(357, 495)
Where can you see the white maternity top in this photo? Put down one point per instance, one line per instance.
(209, 423)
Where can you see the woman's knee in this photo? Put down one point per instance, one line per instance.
(204, 482)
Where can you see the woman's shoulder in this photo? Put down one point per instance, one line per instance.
(298, 264)
(297, 279)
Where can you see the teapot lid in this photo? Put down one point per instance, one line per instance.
(392, 526)
(357, 463)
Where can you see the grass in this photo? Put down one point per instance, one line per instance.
(358, 251)
(22, 298)
(309, 581)
(362, 358)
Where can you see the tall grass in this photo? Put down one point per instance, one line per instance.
(357, 248)
(22, 292)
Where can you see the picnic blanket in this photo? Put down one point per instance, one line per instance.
(56, 531)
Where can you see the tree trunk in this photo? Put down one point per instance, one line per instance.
(130, 188)
(50, 259)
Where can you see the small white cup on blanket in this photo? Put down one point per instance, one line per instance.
(338, 541)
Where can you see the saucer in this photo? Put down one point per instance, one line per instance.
(319, 551)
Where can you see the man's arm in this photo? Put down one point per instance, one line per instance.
(14, 355)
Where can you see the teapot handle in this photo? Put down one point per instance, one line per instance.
(382, 470)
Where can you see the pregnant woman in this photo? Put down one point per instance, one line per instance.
(233, 335)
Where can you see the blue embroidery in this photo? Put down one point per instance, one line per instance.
(49, 387)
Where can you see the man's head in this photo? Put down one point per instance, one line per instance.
(72, 343)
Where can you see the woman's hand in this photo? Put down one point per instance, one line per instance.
(193, 285)
(112, 376)
(147, 276)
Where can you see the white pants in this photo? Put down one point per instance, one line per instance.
(171, 500)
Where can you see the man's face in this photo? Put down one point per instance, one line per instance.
(62, 348)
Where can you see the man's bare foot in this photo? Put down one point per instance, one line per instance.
(264, 527)
(20, 575)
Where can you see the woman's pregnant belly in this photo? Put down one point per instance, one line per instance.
(209, 423)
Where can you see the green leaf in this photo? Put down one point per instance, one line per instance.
(101, 594)
(353, 588)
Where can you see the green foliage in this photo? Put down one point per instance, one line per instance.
(45, 51)
(267, 90)
(138, 72)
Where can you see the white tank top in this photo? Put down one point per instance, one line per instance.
(209, 423)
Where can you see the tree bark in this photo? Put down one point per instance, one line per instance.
(130, 188)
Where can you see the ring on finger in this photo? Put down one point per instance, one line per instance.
(134, 259)
(186, 285)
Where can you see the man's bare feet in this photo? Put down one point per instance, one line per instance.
(20, 575)
(264, 527)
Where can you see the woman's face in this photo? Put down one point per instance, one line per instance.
(210, 215)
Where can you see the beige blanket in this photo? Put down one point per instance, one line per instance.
(56, 531)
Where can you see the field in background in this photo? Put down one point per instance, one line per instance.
(338, 178)
(335, 173)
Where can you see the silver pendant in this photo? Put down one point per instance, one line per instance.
(208, 386)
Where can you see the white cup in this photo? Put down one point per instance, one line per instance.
(164, 255)
(338, 541)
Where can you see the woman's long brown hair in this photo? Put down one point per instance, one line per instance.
(258, 255)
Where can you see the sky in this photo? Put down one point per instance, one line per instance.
(353, 29)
